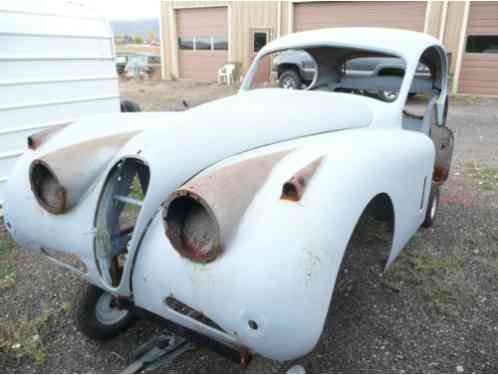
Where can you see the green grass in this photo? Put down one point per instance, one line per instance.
(7, 270)
(7, 276)
(136, 189)
(6, 247)
(21, 339)
(485, 176)
(431, 277)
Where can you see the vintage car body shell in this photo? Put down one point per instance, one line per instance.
(272, 271)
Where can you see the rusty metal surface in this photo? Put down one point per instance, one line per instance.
(37, 139)
(295, 187)
(224, 195)
(60, 178)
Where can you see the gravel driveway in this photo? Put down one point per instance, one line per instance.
(435, 310)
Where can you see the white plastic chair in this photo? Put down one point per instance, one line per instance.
(225, 74)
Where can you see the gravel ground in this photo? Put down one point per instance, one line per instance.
(435, 310)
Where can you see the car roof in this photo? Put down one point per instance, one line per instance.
(404, 43)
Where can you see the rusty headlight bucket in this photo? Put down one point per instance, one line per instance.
(46, 187)
(201, 216)
(191, 227)
(60, 178)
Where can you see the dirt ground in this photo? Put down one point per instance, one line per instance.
(435, 310)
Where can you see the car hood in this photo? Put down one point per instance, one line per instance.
(212, 132)
(216, 130)
(282, 113)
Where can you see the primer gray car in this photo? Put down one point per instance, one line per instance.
(232, 218)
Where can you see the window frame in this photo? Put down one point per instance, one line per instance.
(211, 43)
(480, 53)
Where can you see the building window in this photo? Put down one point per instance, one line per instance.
(260, 40)
(220, 43)
(482, 44)
(186, 43)
(202, 43)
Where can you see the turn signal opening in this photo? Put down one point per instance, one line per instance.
(192, 229)
(289, 192)
(46, 187)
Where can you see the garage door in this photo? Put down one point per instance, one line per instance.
(479, 74)
(405, 15)
(202, 42)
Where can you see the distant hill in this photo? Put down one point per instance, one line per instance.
(135, 27)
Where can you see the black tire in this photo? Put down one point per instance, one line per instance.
(388, 96)
(290, 79)
(128, 105)
(298, 366)
(87, 318)
(432, 207)
(120, 69)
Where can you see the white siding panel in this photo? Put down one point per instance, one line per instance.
(34, 93)
(56, 65)
(21, 47)
(56, 113)
(64, 8)
(48, 24)
(27, 70)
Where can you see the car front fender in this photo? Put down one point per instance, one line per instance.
(271, 288)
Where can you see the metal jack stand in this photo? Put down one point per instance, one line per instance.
(160, 351)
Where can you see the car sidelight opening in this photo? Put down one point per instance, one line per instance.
(117, 212)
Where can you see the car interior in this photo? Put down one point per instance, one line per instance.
(379, 76)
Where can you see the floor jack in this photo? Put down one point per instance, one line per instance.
(158, 352)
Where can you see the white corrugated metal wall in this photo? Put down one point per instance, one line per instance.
(56, 65)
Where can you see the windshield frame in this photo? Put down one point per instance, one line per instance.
(410, 67)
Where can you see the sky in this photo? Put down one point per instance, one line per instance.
(126, 9)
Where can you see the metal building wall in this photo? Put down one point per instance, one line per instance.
(56, 65)
(243, 16)
(278, 16)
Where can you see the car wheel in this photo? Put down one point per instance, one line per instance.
(98, 316)
(298, 366)
(129, 106)
(290, 80)
(432, 206)
(388, 95)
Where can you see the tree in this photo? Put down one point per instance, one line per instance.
(151, 36)
(137, 39)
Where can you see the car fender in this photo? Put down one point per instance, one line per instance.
(280, 266)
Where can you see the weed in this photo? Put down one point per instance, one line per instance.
(486, 177)
(67, 307)
(21, 338)
(429, 276)
(413, 242)
(6, 247)
(7, 277)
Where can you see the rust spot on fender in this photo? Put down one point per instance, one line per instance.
(440, 174)
(201, 216)
(58, 179)
(37, 139)
(245, 357)
(294, 188)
